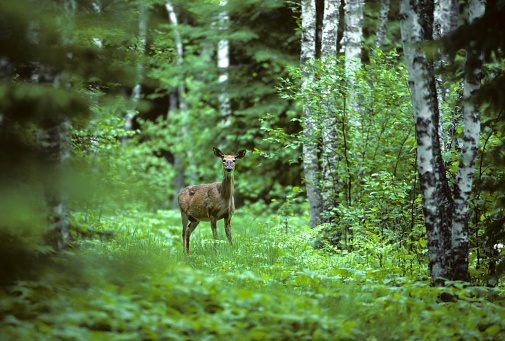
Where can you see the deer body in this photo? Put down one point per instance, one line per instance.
(209, 202)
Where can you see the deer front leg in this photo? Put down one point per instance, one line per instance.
(213, 226)
(227, 229)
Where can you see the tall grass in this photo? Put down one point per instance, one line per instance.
(271, 285)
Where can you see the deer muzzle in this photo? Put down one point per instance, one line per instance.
(229, 166)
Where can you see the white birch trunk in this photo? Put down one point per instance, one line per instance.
(434, 187)
(137, 88)
(330, 29)
(445, 17)
(445, 21)
(310, 150)
(179, 50)
(353, 35)
(380, 35)
(353, 29)
(177, 102)
(223, 63)
(468, 155)
(330, 128)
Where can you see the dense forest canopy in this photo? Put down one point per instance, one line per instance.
(372, 194)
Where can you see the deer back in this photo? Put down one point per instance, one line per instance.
(203, 201)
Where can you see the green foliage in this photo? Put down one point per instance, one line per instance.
(487, 232)
(374, 177)
(259, 54)
(486, 228)
(125, 277)
(60, 120)
(269, 286)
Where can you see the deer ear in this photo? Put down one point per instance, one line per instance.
(240, 154)
(217, 152)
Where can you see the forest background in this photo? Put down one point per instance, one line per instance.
(109, 108)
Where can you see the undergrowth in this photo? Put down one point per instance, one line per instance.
(135, 284)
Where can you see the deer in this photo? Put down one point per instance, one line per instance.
(210, 202)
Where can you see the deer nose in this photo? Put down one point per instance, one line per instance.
(229, 167)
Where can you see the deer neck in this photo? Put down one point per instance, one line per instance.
(227, 185)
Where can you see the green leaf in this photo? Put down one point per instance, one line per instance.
(446, 156)
(493, 330)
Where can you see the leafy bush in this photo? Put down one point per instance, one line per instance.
(373, 179)
(271, 285)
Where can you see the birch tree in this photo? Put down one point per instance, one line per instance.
(437, 203)
(353, 34)
(353, 15)
(468, 154)
(177, 102)
(445, 17)
(380, 35)
(223, 63)
(446, 217)
(330, 128)
(310, 149)
(445, 21)
(137, 88)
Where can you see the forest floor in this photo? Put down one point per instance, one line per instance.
(271, 285)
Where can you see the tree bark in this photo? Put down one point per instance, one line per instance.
(416, 26)
(468, 155)
(445, 21)
(137, 88)
(310, 149)
(445, 18)
(353, 35)
(330, 127)
(380, 35)
(223, 63)
(177, 102)
(353, 29)
(330, 28)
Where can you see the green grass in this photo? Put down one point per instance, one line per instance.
(271, 285)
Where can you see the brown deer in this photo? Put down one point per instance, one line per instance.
(209, 202)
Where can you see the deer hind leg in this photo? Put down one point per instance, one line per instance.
(227, 229)
(184, 219)
(192, 226)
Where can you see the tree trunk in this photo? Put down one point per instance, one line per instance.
(330, 127)
(353, 35)
(353, 29)
(416, 27)
(177, 102)
(468, 155)
(55, 142)
(310, 148)
(137, 88)
(330, 28)
(445, 21)
(223, 63)
(445, 17)
(380, 35)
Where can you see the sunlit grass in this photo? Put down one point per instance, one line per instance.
(269, 285)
